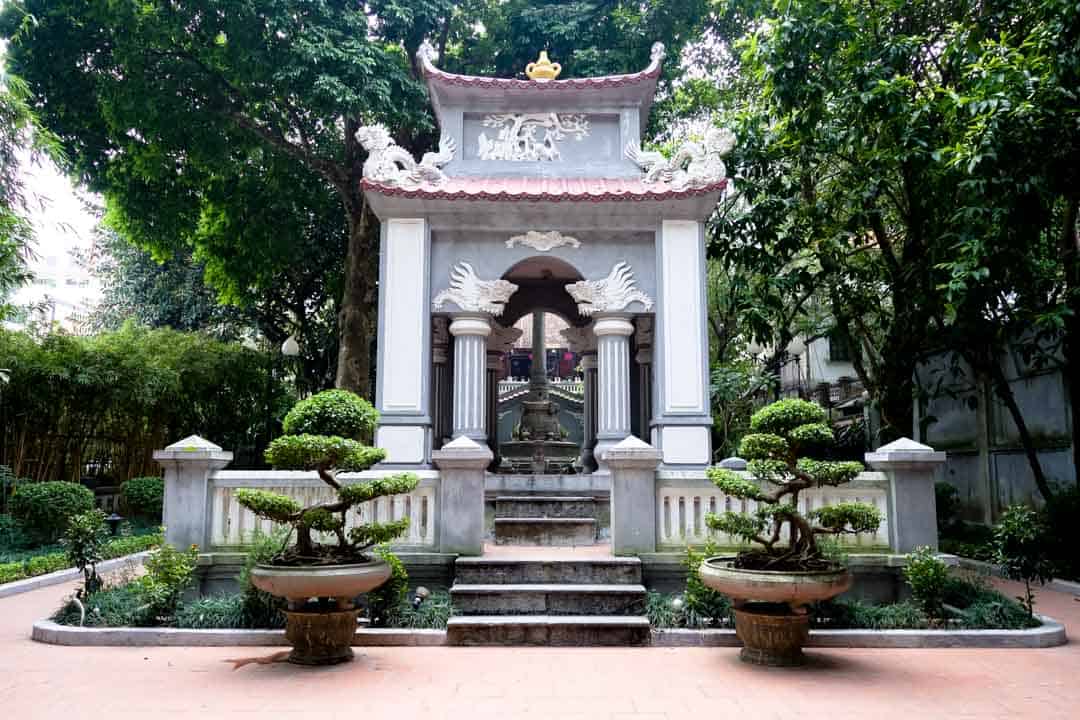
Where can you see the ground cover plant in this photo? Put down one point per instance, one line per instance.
(784, 437)
(57, 559)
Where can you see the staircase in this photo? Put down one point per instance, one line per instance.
(545, 520)
(548, 602)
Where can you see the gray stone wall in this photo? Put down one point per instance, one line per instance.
(962, 415)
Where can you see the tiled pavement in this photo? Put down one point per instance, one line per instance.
(40, 681)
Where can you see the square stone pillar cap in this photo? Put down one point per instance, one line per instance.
(633, 453)
(904, 452)
(193, 447)
(462, 452)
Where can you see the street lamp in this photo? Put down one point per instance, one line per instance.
(290, 348)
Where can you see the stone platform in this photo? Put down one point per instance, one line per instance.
(550, 521)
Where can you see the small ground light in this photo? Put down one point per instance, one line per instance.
(114, 521)
(677, 603)
(420, 596)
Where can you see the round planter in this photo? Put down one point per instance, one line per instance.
(320, 638)
(770, 617)
(792, 588)
(297, 584)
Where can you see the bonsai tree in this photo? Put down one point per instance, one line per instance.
(783, 438)
(325, 433)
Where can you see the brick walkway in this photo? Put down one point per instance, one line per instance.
(40, 681)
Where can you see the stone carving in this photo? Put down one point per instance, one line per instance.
(643, 333)
(543, 241)
(613, 293)
(502, 339)
(694, 164)
(472, 294)
(391, 165)
(580, 339)
(517, 139)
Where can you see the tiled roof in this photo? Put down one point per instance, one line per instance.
(543, 189)
(650, 73)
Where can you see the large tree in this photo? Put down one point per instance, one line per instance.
(163, 105)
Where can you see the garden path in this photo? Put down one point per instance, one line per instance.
(43, 682)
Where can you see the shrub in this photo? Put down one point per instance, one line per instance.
(169, 572)
(12, 534)
(261, 609)
(84, 543)
(1061, 517)
(44, 508)
(857, 615)
(118, 606)
(783, 433)
(1021, 548)
(385, 601)
(222, 612)
(332, 412)
(432, 614)
(927, 576)
(703, 606)
(51, 562)
(144, 496)
(947, 499)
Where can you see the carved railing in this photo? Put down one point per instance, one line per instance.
(573, 388)
(681, 506)
(232, 524)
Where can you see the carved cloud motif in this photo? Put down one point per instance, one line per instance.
(543, 241)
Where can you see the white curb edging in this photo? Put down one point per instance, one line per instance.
(17, 587)
(51, 633)
(1050, 634)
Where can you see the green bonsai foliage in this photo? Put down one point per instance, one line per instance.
(84, 543)
(781, 435)
(323, 433)
(1021, 549)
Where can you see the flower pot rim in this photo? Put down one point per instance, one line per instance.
(315, 568)
(723, 562)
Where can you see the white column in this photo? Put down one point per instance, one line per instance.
(681, 348)
(404, 344)
(613, 382)
(470, 375)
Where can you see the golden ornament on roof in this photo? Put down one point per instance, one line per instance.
(543, 69)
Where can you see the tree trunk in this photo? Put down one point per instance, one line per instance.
(1070, 256)
(356, 317)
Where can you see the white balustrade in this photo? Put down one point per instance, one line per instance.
(681, 507)
(232, 524)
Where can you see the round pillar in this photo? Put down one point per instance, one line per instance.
(470, 382)
(613, 381)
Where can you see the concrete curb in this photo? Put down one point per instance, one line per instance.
(1062, 586)
(51, 633)
(62, 576)
(1050, 634)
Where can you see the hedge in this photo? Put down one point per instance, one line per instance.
(44, 564)
(109, 400)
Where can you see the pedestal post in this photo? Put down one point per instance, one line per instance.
(912, 505)
(633, 466)
(186, 513)
(461, 495)
(613, 387)
(470, 383)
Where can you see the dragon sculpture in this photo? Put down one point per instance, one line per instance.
(472, 294)
(613, 293)
(389, 164)
(694, 165)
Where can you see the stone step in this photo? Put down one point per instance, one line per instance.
(561, 571)
(564, 630)
(544, 506)
(548, 599)
(554, 532)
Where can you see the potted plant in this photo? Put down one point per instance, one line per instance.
(329, 563)
(771, 586)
